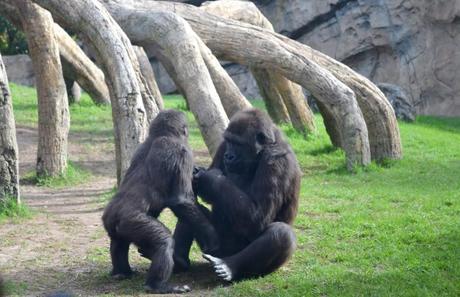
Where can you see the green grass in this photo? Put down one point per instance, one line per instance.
(107, 196)
(85, 117)
(74, 175)
(391, 230)
(15, 288)
(10, 209)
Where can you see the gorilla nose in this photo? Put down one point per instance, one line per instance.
(229, 157)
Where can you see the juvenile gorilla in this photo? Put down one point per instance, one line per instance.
(253, 187)
(160, 176)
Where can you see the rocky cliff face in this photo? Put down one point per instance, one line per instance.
(414, 44)
(411, 44)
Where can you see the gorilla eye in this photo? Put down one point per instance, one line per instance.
(261, 138)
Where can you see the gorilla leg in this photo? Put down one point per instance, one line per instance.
(194, 223)
(119, 253)
(156, 244)
(262, 256)
(198, 217)
(183, 239)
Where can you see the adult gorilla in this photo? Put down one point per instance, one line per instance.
(253, 186)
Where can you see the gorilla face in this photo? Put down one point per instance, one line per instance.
(239, 157)
(247, 135)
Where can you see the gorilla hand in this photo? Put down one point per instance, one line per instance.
(197, 170)
(204, 182)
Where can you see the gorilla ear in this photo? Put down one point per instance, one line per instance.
(262, 140)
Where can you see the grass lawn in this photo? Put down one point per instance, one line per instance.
(391, 230)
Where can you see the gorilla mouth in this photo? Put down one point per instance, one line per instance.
(239, 168)
(232, 167)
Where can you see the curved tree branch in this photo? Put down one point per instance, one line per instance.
(273, 86)
(253, 46)
(149, 75)
(76, 65)
(116, 54)
(174, 40)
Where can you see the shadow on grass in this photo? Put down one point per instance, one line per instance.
(323, 150)
(95, 280)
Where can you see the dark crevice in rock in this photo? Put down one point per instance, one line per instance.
(320, 19)
(456, 20)
(194, 2)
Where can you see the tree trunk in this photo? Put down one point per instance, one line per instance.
(230, 95)
(380, 118)
(272, 97)
(53, 109)
(76, 65)
(73, 91)
(151, 97)
(285, 95)
(9, 173)
(384, 137)
(175, 44)
(330, 124)
(250, 45)
(149, 75)
(302, 117)
(116, 54)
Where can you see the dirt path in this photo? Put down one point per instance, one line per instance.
(63, 248)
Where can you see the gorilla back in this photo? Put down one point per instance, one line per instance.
(253, 186)
(159, 177)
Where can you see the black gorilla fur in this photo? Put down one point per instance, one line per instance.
(159, 176)
(253, 186)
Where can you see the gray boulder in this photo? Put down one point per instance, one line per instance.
(19, 69)
(398, 98)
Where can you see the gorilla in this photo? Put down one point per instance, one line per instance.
(160, 176)
(253, 187)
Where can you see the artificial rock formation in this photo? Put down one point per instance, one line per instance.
(411, 44)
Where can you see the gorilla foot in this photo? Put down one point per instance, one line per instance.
(122, 276)
(221, 268)
(181, 264)
(167, 289)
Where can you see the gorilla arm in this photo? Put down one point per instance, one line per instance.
(175, 161)
(248, 214)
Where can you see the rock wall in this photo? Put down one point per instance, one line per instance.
(19, 69)
(411, 44)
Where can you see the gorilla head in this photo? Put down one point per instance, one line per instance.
(248, 134)
(169, 123)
